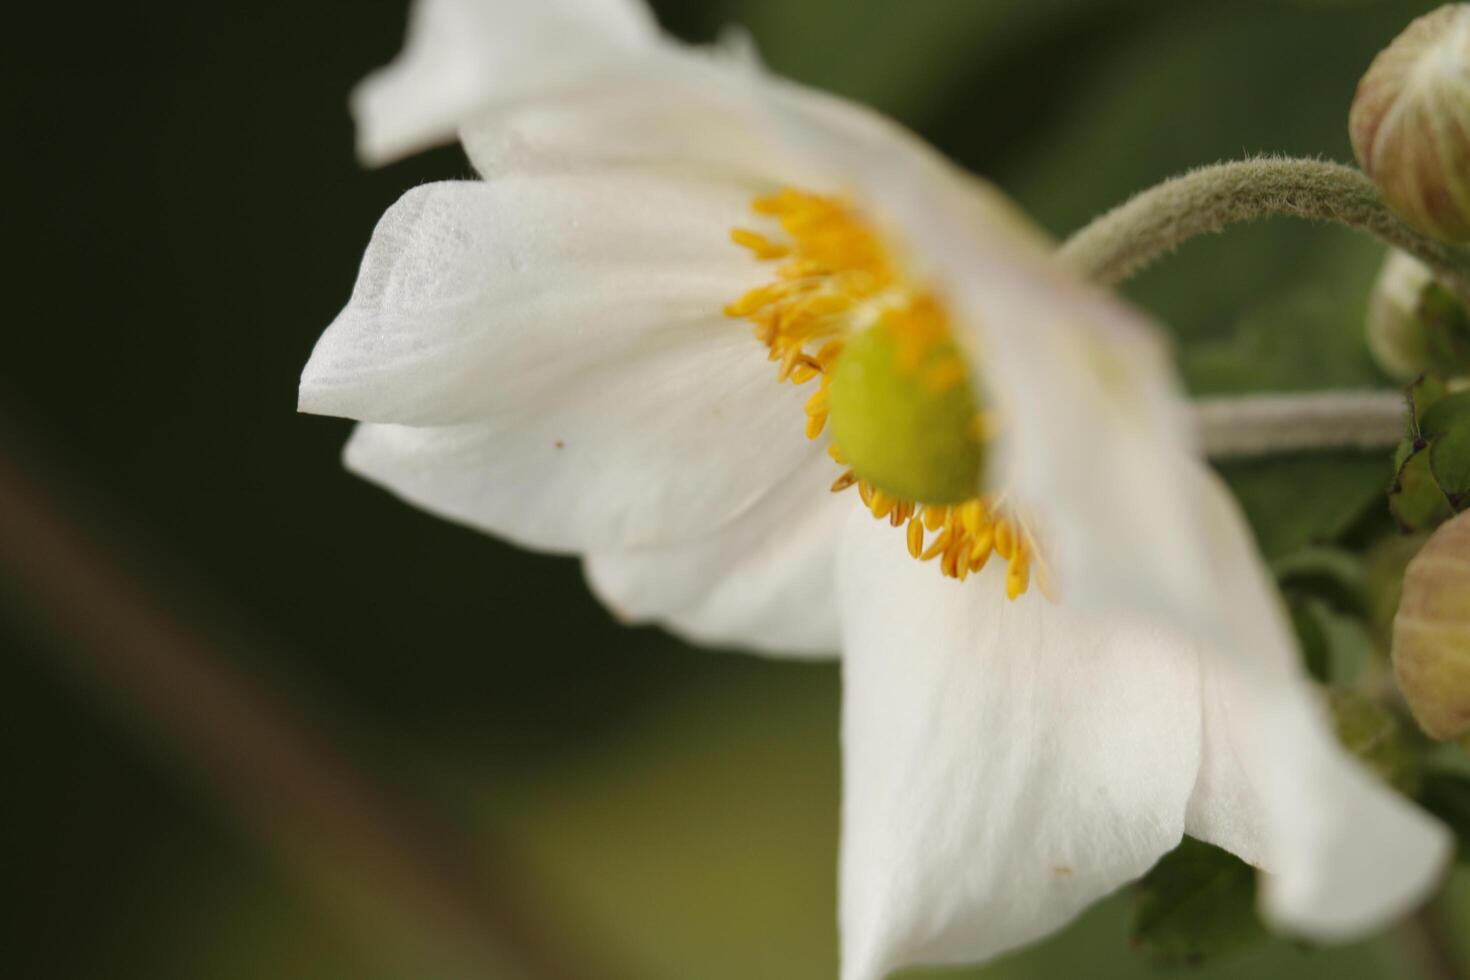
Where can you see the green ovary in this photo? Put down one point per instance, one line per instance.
(904, 416)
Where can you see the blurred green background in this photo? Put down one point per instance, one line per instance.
(187, 216)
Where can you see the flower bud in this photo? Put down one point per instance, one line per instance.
(1410, 123)
(1415, 325)
(1431, 632)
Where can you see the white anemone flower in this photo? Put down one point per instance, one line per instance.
(633, 339)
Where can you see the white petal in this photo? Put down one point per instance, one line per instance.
(1006, 763)
(474, 297)
(638, 452)
(767, 581)
(1346, 852)
(675, 111)
(1096, 434)
(462, 55)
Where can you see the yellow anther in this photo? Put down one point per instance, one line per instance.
(804, 372)
(815, 424)
(972, 515)
(828, 352)
(916, 537)
(881, 504)
(978, 561)
(935, 517)
(817, 404)
(823, 304)
(982, 544)
(950, 563)
(761, 246)
(1005, 539)
(1018, 575)
(843, 482)
(779, 203)
(938, 547)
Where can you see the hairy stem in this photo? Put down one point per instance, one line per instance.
(1261, 425)
(1156, 221)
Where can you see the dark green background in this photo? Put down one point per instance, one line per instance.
(186, 216)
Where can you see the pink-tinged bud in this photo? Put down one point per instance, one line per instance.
(1410, 123)
(1431, 633)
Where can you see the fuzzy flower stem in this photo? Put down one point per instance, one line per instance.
(1261, 425)
(1156, 221)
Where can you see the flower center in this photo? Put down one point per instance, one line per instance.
(905, 417)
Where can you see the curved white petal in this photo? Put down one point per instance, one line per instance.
(1096, 432)
(462, 55)
(476, 297)
(678, 110)
(1006, 763)
(640, 451)
(766, 581)
(1346, 853)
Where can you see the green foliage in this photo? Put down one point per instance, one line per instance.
(1433, 480)
(1334, 574)
(1446, 331)
(1416, 499)
(1197, 902)
(1376, 736)
(1312, 638)
(1295, 337)
(1327, 594)
(1447, 427)
(1293, 502)
(1447, 796)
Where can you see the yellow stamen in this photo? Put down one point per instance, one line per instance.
(916, 538)
(940, 545)
(760, 246)
(833, 277)
(1005, 539)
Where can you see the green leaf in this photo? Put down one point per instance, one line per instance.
(1336, 576)
(1446, 424)
(1197, 902)
(1302, 337)
(1415, 498)
(1447, 330)
(1424, 394)
(1376, 736)
(1311, 636)
(1447, 796)
(1335, 647)
(1293, 502)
